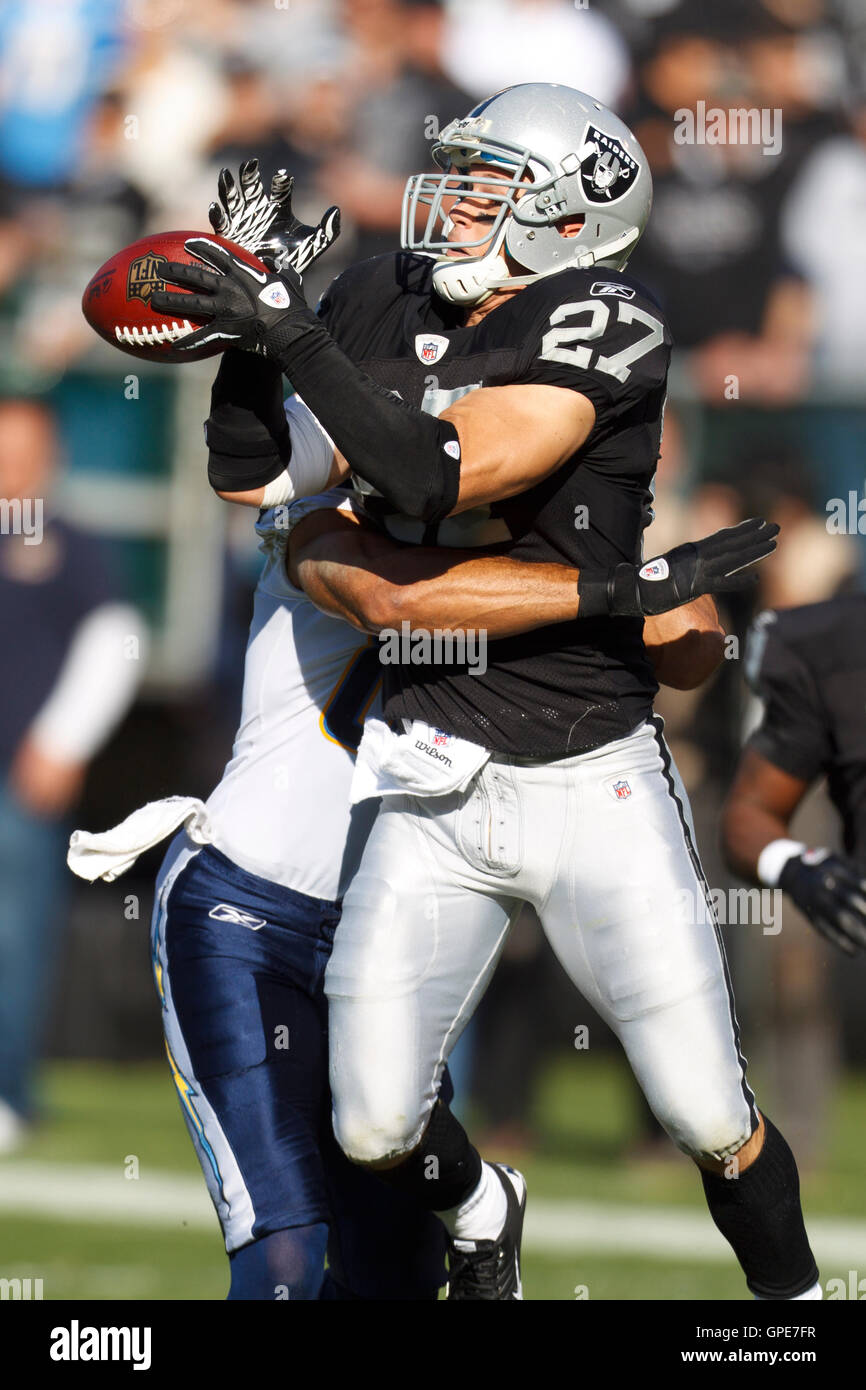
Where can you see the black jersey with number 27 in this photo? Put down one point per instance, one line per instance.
(565, 688)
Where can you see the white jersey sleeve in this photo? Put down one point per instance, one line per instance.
(282, 808)
(312, 458)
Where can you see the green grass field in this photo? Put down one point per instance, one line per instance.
(98, 1114)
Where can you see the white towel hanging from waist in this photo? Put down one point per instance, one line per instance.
(110, 853)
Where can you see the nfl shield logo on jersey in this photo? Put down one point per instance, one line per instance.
(429, 347)
(621, 790)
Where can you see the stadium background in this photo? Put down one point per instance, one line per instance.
(114, 120)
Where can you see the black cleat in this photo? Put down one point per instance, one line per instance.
(489, 1270)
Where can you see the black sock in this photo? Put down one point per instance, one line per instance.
(759, 1214)
(444, 1169)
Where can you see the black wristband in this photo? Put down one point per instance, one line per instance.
(609, 593)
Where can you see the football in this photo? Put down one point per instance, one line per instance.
(116, 302)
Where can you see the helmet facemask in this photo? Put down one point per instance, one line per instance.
(467, 279)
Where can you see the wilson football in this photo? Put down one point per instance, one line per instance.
(116, 302)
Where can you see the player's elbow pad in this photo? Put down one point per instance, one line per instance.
(410, 457)
(247, 434)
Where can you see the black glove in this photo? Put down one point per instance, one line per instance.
(699, 567)
(266, 225)
(250, 309)
(831, 891)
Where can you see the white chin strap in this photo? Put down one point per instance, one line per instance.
(463, 281)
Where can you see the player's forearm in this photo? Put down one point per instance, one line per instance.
(747, 829)
(441, 588)
(685, 645)
(757, 814)
(494, 594)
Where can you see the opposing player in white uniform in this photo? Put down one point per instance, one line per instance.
(246, 905)
(247, 902)
(545, 780)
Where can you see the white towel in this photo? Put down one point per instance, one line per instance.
(111, 852)
(423, 761)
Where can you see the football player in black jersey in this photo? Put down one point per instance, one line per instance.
(544, 779)
(808, 665)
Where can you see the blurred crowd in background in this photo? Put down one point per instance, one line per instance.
(115, 118)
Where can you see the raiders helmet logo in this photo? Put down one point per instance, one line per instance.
(607, 170)
(143, 277)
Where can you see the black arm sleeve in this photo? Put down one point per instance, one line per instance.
(247, 433)
(410, 457)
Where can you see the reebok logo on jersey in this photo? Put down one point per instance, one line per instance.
(277, 296)
(429, 347)
(655, 569)
(610, 287)
(224, 912)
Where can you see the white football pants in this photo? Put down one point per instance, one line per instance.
(602, 846)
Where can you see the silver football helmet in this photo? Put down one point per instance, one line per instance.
(565, 155)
